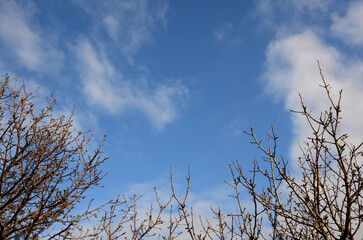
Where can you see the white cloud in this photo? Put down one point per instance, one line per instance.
(350, 26)
(106, 87)
(22, 41)
(127, 26)
(291, 68)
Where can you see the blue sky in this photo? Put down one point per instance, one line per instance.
(176, 82)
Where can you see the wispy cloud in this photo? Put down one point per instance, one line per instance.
(291, 68)
(269, 6)
(106, 87)
(308, 5)
(276, 15)
(124, 27)
(22, 41)
(349, 27)
(127, 23)
(221, 32)
(17, 35)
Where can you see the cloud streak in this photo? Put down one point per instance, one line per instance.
(17, 35)
(24, 43)
(124, 27)
(128, 24)
(106, 88)
(290, 15)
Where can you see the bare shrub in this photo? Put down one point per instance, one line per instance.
(323, 201)
(45, 169)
